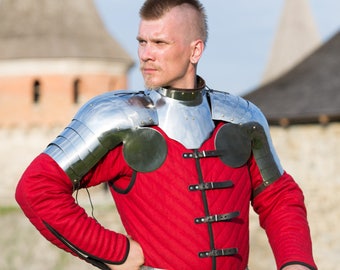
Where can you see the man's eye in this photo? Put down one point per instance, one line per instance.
(141, 42)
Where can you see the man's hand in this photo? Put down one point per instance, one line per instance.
(134, 260)
(295, 267)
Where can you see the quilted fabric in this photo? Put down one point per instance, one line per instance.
(158, 210)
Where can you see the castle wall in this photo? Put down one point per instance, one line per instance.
(56, 101)
(311, 154)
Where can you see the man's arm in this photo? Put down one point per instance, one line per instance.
(45, 195)
(134, 260)
(296, 267)
(282, 214)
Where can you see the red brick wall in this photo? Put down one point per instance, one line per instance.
(56, 102)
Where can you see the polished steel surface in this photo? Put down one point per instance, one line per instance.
(185, 116)
(186, 121)
(236, 110)
(100, 125)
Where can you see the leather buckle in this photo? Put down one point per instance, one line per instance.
(217, 218)
(211, 185)
(218, 252)
(203, 154)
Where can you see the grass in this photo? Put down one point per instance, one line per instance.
(5, 210)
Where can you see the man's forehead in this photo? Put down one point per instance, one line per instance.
(151, 27)
(157, 28)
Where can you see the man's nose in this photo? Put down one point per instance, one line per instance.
(145, 53)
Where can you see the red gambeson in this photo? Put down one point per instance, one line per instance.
(159, 210)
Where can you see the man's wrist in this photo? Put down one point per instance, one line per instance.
(297, 266)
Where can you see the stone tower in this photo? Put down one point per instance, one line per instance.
(54, 56)
(296, 37)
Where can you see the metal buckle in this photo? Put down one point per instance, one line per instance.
(211, 185)
(217, 218)
(218, 252)
(203, 154)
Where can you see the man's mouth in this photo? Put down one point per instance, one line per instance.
(148, 70)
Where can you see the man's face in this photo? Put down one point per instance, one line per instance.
(165, 51)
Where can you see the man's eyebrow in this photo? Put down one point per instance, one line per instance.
(155, 39)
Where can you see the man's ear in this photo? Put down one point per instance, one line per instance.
(197, 51)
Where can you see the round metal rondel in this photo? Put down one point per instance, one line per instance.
(144, 149)
(235, 143)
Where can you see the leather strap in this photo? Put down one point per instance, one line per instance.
(217, 218)
(211, 185)
(218, 252)
(203, 154)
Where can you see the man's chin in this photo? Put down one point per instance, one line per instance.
(152, 86)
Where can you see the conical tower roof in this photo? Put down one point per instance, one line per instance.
(308, 93)
(296, 37)
(55, 29)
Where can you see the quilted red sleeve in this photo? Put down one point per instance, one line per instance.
(283, 215)
(45, 195)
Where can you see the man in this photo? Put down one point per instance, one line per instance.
(182, 162)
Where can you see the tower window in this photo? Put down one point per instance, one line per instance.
(76, 86)
(36, 92)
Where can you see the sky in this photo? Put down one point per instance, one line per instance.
(241, 34)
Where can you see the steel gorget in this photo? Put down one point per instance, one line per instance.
(184, 115)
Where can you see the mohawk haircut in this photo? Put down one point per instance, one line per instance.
(155, 9)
